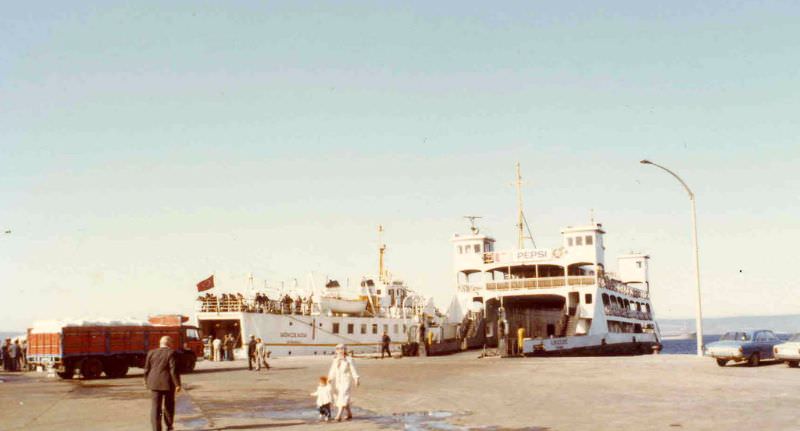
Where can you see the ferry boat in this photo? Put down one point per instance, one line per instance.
(550, 301)
(292, 323)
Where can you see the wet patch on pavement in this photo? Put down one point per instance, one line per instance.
(305, 413)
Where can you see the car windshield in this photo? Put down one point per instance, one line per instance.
(795, 337)
(734, 336)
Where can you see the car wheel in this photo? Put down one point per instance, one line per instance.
(792, 364)
(722, 362)
(754, 360)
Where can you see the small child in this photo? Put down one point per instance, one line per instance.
(324, 395)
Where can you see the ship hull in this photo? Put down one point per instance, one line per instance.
(611, 344)
(294, 334)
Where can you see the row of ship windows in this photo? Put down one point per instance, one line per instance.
(351, 328)
(580, 240)
(474, 248)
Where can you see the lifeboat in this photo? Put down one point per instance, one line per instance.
(343, 305)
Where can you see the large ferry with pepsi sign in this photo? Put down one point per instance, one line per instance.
(550, 301)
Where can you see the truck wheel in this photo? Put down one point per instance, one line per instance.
(792, 364)
(189, 362)
(67, 374)
(722, 362)
(91, 368)
(116, 369)
(754, 360)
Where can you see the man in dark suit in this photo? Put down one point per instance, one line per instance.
(251, 352)
(162, 378)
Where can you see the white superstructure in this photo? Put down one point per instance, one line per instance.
(559, 299)
(313, 322)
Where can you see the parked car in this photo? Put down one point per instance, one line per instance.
(750, 346)
(789, 351)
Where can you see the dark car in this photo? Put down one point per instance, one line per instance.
(750, 346)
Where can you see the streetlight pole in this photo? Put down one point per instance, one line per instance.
(699, 316)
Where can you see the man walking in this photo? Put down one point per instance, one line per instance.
(162, 378)
(251, 352)
(385, 341)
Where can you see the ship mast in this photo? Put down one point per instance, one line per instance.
(381, 253)
(520, 216)
(522, 222)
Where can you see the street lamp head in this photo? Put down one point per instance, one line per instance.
(646, 162)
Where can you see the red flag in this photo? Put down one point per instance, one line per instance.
(206, 284)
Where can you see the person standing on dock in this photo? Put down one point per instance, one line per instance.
(251, 352)
(216, 347)
(230, 342)
(343, 375)
(4, 355)
(385, 342)
(162, 378)
(13, 356)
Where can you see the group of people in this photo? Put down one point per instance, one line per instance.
(221, 350)
(14, 355)
(261, 303)
(162, 378)
(257, 354)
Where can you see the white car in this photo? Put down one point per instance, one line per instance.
(789, 351)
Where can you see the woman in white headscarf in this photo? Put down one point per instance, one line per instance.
(342, 375)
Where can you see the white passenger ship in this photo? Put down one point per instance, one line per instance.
(559, 300)
(293, 324)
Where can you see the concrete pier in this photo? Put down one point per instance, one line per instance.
(455, 392)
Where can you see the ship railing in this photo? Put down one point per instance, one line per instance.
(620, 287)
(526, 283)
(468, 287)
(233, 303)
(630, 314)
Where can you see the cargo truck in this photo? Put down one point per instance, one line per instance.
(93, 348)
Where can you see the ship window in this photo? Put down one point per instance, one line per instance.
(395, 328)
(460, 250)
(638, 263)
(374, 328)
(335, 328)
(386, 328)
(569, 242)
(588, 240)
(379, 291)
(363, 328)
(647, 307)
(587, 298)
(477, 248)
(349, 328)
(605, 299)
(578, 240)
(404, 328)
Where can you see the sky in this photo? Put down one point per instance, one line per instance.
(147, 145)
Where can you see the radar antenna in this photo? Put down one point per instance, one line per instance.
(472, 226)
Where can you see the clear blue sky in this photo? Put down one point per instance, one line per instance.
(144, 146)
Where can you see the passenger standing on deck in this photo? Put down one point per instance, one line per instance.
(217, 348)
(251, 352)
(385, 341)
(162, 378)
(343, 375)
